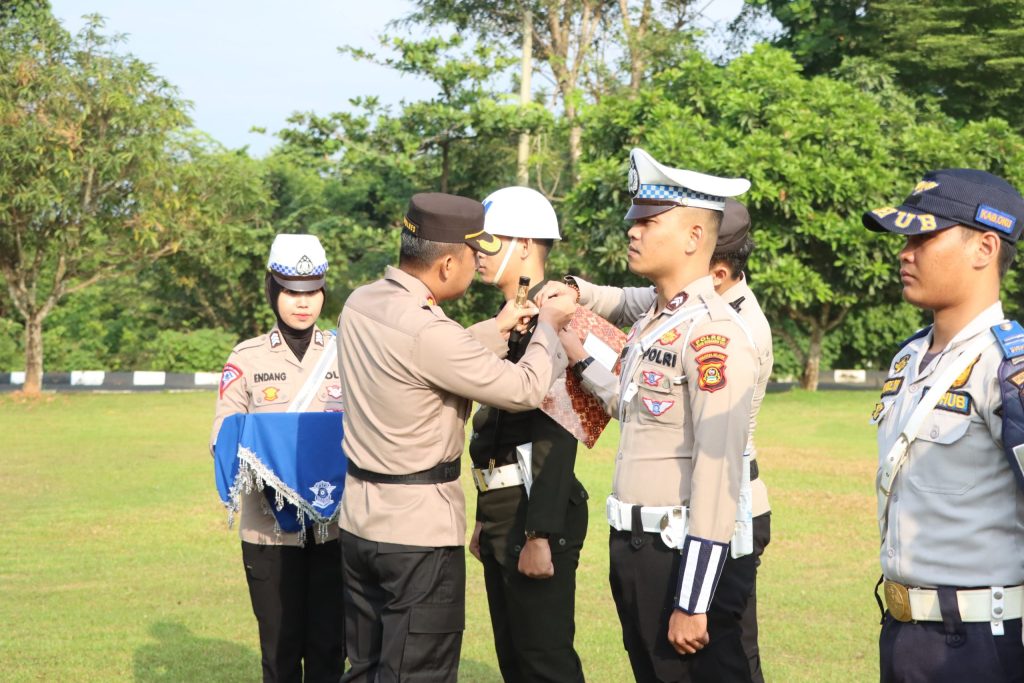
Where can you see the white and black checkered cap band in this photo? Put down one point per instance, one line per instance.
(682, 195)
(290, 271)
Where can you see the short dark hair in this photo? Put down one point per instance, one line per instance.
(546, 244)
(736, 260)
(1007, 251)
(419, 254)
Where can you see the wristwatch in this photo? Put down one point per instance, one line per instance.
(530, 535)
(579, 367)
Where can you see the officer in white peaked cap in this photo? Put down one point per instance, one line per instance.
(680, 573)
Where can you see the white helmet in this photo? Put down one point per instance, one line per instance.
(520, 212)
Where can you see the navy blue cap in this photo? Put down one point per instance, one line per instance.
(954, 196)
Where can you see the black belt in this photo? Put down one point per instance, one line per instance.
(439, 474)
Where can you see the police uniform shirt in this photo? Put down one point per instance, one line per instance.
(624, 305)
(956, 515)
(262, 375)
(409, 374)
(685, 429)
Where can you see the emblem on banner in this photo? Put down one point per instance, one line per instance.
(322, 490)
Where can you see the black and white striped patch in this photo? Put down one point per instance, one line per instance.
(699, 571)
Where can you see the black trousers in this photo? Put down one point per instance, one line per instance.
(931, 652)
(643, 582)
(405, 611)
(748, 623)
(298, 605)
(534, 619)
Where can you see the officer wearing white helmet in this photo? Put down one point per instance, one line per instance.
(531, 515)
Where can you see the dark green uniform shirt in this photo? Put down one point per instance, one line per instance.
(507, 513)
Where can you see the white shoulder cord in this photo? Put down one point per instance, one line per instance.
(308, 390)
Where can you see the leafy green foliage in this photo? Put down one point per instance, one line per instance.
(967, 55)
(818, 151)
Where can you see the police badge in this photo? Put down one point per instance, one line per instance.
(634, 178)
(304, 266)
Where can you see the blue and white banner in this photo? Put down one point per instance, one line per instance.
(295, 458)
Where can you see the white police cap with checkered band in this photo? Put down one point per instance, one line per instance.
(657, 188)
(298, 262)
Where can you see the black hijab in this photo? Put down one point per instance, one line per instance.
(297, 340)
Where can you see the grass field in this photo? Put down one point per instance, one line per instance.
(115, 563)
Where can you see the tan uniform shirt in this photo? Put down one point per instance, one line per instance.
(409, 374)
(685, 429)
(262, 375)
(624, 305)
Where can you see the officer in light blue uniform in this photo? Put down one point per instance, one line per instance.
(950, 427)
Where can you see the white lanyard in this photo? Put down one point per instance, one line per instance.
(899, 451)
(308, 390)
(637, 351)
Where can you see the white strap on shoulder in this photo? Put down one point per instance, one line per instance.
(313, 382)
(897, 454)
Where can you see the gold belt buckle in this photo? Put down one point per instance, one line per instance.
(897, 600)
(478, 477)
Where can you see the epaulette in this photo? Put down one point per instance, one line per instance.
(252, 343)
(1010, 336)
(917, 335)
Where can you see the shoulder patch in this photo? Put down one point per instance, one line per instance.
(227, 376)
(1010, 336)
(709, 340)
(876, 413)
(275, 339)
(711, 371)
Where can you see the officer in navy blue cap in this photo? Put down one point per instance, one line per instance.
(950, 424)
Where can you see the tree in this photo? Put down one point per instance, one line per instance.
(563, 37)
(818, 151)
(967, 55)
(94, 178)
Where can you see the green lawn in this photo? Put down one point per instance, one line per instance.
(116, 564)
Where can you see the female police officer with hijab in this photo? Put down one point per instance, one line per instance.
(294, 578)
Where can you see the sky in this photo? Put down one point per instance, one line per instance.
(251, 63)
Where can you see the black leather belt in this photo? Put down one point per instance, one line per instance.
(439, 474)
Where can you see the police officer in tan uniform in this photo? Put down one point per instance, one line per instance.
(293, 579)
(530, 524)
(623, 306)
(409, 374)
(688, 374)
